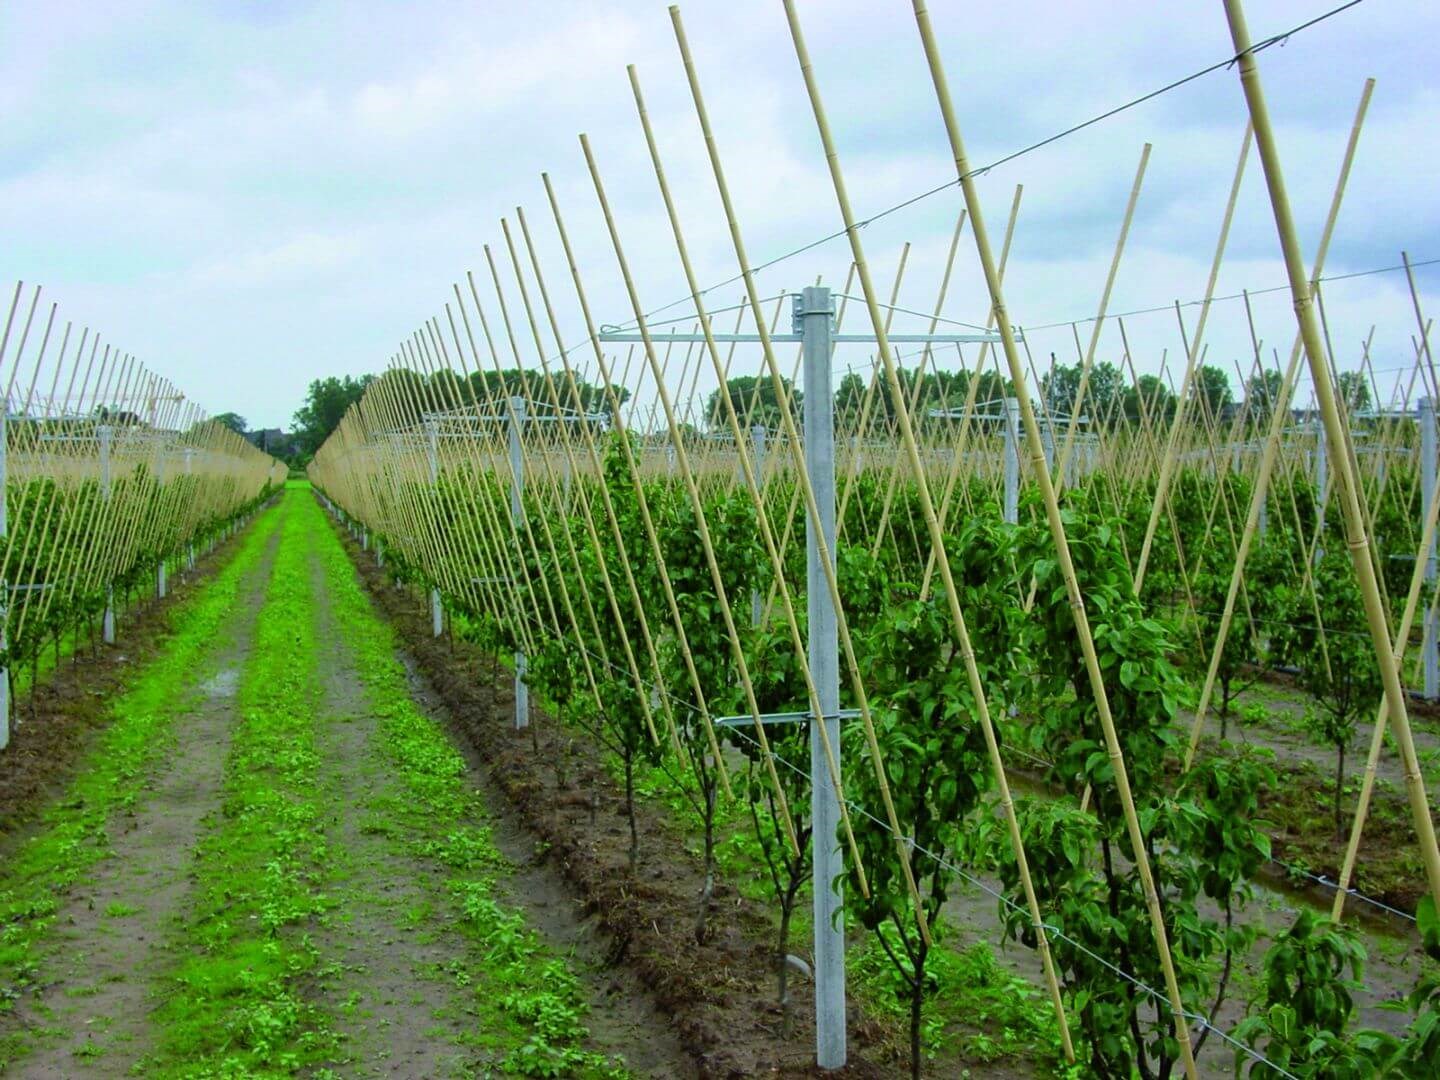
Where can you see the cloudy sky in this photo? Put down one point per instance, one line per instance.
(249, 196)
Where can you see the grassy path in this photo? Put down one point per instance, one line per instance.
(427, 882)
(277, 863)
(396, 986)
(86, 901)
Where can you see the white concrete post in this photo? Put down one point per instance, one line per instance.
(190, 549)
(814, 314)
(1012, 460)
(757, 459)
(517, 518)
(4, 586)
(1322, 483)
(105, 434)
(432, 436)
(1430, 644)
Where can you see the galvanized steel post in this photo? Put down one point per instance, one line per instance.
(432, 436)
(814, 319)
(757, 456)
(1012, 460)
(4, 586)
(517, 518)
(1322, 484)
(104, 434)
(1431, 656)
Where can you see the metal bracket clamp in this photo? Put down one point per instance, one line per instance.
(748, 720)
(798, 311)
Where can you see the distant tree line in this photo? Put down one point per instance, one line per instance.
(1111, 399)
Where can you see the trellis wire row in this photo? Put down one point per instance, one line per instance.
(428, 460)
(109, 479)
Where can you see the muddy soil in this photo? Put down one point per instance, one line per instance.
(54, 728)
(396, 1011)
(115, 930)
(718, 995)
(395, 945)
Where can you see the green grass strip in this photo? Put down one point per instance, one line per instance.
(233, 1007)
(71, 836)
(530, 1004)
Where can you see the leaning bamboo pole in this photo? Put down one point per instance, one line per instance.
(937, 539)
(1356, 538)
(773, 553)
(1057, 530)
(1377, 738)
(1167, 466)
(587, 509)
(826, 556)
(1089, 358)
(1279, 413)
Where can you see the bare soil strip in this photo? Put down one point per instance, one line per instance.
(623, 1020)
(53, 732)
(404, 982)
(115, 930)
(718, 995)
(391, 983)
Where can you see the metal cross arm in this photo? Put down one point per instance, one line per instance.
(838, 339)
(747, 720)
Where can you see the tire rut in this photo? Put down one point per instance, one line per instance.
(113, 935)
(391, 985)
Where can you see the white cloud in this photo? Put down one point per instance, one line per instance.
(486, 76)
(305, 258)
(288, 196)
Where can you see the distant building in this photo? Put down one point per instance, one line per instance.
(275, 441)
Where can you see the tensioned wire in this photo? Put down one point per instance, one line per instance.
(1232, 296)
(1170, 307)
(675, 700)
(1259, 46)
(1054, 932)
(1276, 39)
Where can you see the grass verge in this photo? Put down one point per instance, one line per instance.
(528, 1004)
(71, 837)
(234, 1006)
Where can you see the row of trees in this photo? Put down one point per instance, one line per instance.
(1111, 398)
(326, 400)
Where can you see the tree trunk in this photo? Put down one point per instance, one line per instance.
(782, 951)
(1339, 784)
(702, 921)
(917, 1003)
(630, 810)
